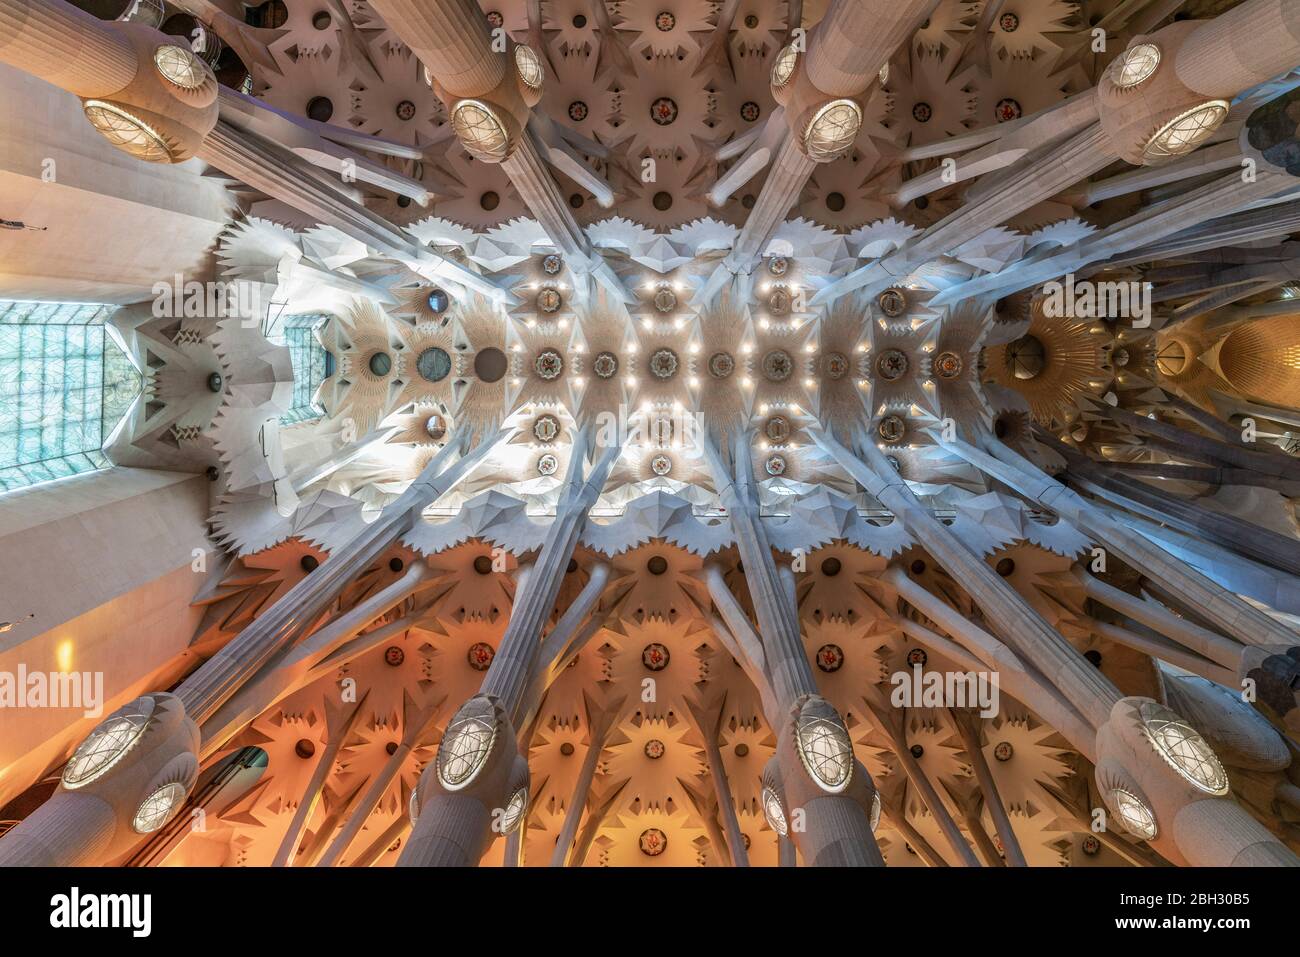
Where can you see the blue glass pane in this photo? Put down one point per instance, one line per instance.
(433, 364)
(308, 359)
(63, 387)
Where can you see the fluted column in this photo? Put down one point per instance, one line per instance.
(451, 38)
(1204, 447)
(968, 726)
(564, 641)
(1187, 811)
(1050, 169)
(1147, 226)
(295, 669)
(338, 725)
(1125, 725)
(1235, 534)
(90, 819)
(1082, 684)
(278, 173)
(226, 671)
(845, 54)
(889, 722)
(837, 830)
(1000, 196)
(517, 654)
(62, 831)
(416, 719)
(1230, 612)
(530, 176)
(453, 826)
(857, 37)
(1240, 48)
(1206, 644)
(600, 721)
(1014, 675)
(785, 181)
(73, 833)
(66, 46)
(708, 721)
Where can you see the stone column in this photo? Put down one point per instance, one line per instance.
(517, 655)
(451, 38)
(66, 46)
(1250, 44)
(969, 804)
(785, 181)
(416, 720)
(1195, 445)
(708, 721)
(1044, 172)
(1178, 801)
(1048, 170)
(835, 801)
(138, 754)
(1014, 675)
(924, 850)
(565, 641)
(1156, 646)
(600, 721)
(90, 821)
(1216, 476)
(889, 721)
(857, 37)
(968, 726)
(1235, 534)
(718, 51)
(297, 667)
(734, 630)
(226, 671)
(338, 725)
(376, 848)
(275, 171)
(845, 53)
(537, 187)
(479, 769)
(1030, 635)
(1149, 225)
(786, 853)
(1234, 615)
(1128, 728)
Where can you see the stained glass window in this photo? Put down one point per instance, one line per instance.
(309, 364)
(64, 386)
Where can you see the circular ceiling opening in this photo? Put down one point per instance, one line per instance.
(320, 108)
(490, 365)
(433, 364)
(1026, 357)
(1171, 360)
